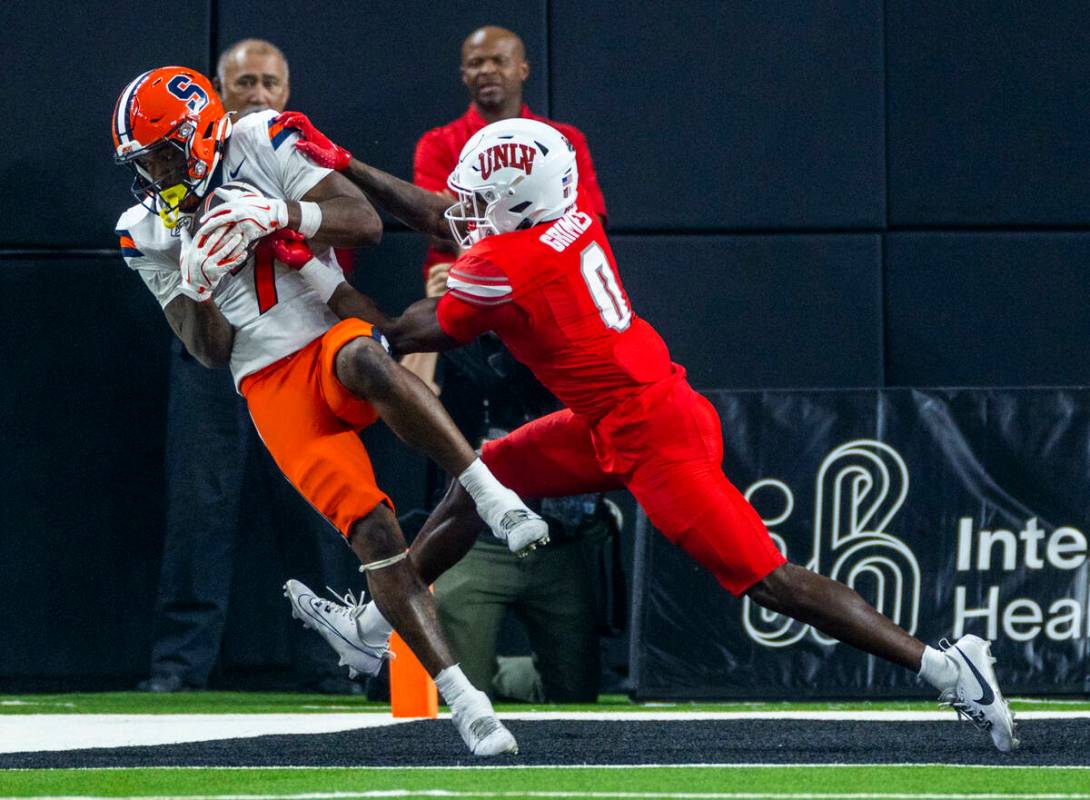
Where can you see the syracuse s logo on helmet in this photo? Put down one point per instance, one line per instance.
(181, 87)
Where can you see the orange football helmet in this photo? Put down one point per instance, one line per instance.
(170, 107)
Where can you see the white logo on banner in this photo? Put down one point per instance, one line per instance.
(861, 486)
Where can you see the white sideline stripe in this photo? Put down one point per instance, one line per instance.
(619, 795)
(22, 733)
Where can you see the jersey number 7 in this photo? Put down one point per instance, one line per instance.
(264, 277)
(603, 287)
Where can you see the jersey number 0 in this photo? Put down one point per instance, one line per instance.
(603, 287)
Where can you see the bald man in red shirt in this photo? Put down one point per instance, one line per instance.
(494, 67)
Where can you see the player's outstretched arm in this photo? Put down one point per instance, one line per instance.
(416, 207)
(203, 329)
(415, 331)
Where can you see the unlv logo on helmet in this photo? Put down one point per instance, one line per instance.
(506, 154)
(510, 176)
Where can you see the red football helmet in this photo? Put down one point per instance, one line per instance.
(170, 107)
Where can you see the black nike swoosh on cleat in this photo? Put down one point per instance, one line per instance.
(233, 173)
(318, 618)
(988, 696)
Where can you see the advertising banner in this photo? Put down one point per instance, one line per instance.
(952, 510)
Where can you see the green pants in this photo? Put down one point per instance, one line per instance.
(551, 593)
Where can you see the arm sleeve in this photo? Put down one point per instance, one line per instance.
(431, 167)
(477, 290)
(590, 192)
(479, 282)
(461, 320)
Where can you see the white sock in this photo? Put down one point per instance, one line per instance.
(938, 669)
(491, 497)
(452, 684)
(374, 629)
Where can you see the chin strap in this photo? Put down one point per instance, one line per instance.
(386, 562)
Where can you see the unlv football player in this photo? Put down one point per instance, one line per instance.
(538, 272)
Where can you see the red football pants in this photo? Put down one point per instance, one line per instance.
(665, 446)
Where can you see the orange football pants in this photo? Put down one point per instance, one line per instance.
(310, 423)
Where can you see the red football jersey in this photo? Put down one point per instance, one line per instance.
(553, 295)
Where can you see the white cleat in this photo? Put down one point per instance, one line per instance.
(976, 695)
(522, 530)
(482, 732)
(337, 622)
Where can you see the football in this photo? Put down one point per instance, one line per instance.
(212, 201)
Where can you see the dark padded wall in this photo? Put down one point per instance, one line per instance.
(761, 311)
(712, 115)
(782, 182)
(64, 65)
(377, 75)
(81, 478)
(988, 108)
(988, 309)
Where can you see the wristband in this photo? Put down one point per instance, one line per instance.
(322, 278)
(310, 219)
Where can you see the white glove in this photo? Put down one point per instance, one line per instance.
(251, 214)
(206, 259)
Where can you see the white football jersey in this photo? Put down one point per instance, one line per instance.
(271, 307)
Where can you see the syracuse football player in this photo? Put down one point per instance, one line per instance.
(311, 381)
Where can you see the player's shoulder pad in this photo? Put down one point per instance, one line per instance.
(130, 217)
(261, 129)
(479, 281)
(130, 228)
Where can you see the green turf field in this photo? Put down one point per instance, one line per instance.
(688, 782)
(822, 781)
